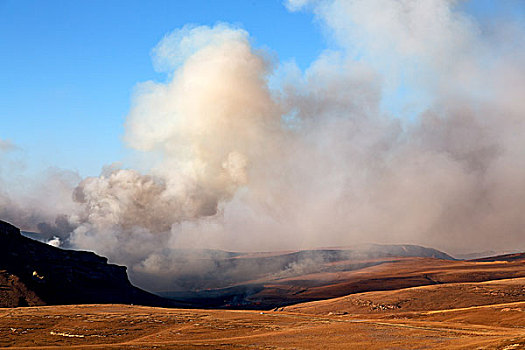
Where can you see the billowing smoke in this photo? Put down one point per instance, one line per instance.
(246, 154)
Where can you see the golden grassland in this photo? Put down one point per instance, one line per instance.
(449, 315)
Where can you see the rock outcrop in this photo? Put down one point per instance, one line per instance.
(34, 273)
(14, 293)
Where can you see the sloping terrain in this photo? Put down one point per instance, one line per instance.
(133, 327)
(265, 280)
(464, 305)
(433, 297)
(506, 257)
(343, 277)
(195, 269)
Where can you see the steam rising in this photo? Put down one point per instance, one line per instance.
(318, 160)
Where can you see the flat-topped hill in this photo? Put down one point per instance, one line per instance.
(35, 273)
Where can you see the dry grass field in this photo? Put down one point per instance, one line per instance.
(499, 326)
(444, 315)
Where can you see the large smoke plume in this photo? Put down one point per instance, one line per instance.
(318, 159)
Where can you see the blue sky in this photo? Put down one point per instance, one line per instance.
(68, 67)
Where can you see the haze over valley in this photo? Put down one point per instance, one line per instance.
(372, 159)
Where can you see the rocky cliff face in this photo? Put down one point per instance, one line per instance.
(14, 293)
(37, 273)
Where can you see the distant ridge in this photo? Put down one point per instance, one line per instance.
(504, 257)
(266, 280)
